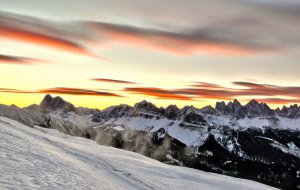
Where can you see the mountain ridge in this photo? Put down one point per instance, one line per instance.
(250, 141)
(233, 108)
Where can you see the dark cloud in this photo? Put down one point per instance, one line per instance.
(205, 85)
(279, 100)
(239, 29)
(9, 59)
(112, 81)
(10, 90)
(209, 25)
(77, 91)
(43, 33)
(180, 42)
(64, 90)
(158, 93)
(214, 91)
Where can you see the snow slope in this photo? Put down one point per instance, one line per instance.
(38, 158)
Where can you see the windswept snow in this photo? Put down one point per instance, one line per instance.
(38, 158)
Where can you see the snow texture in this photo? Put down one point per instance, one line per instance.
(38, 158)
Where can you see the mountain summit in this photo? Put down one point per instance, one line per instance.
(50, 103)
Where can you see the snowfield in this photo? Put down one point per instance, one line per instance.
(39, 158)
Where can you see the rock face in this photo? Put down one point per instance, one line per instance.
(57, 103)
(250, 110)
(172, 112)
(264, 153)
(292, 111)
(146, 107)
(263, 156)
(234, 109)
(255, 109)
(208, 110)
(112, 112)
(194, 118)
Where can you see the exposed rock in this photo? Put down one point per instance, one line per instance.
(221, 108)
(57, 103)
(194, 118)
(33, 107)
(291, 112)
(172, 112)
(145, 107)
(255, 109)
(208, 110)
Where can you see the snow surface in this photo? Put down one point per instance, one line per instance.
(38, 158)
(191, 136)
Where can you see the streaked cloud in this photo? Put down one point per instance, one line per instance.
(234, 36)
(204, 90)
(59, 36)
(112, 81)
(63, 90)
(10, 90)
(9, 59)
(77, 91)
(180, 43)
(281, 101)
(158, 93)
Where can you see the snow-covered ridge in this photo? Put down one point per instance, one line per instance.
(39, 158)
(228, 139)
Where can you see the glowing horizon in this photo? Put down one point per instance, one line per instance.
(99, 54)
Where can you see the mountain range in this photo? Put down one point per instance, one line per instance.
(250, 141)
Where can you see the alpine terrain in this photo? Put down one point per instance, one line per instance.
(249, 141)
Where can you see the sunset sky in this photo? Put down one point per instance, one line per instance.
(98, 53)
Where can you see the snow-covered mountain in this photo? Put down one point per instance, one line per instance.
(39, 158)
(250, 141)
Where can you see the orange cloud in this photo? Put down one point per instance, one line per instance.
(72, 38)
(214, 91)
(176, 43)
(41, 39)
(64, 90)
(158, 93)
(279, 100)
(8, 59)
(112, 81)
(77, 91)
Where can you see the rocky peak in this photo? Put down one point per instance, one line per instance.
(255, 109)
(237, 103)
(189, 109)
(208, 110)
(118, 111)
(253, 104)
(146, 107)
(221, 108)
(172, 112)
(293, 111)
(234, 107)
(57, 103)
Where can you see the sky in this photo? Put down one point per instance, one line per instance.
(98, 53)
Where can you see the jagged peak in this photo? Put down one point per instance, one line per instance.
(143, 102)
(236, 102)
(145, 106)
(50, 103)
(208, 107)
(117, 106)
(172, 106)
(294, 106)
(222, 103)
(252, 102)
